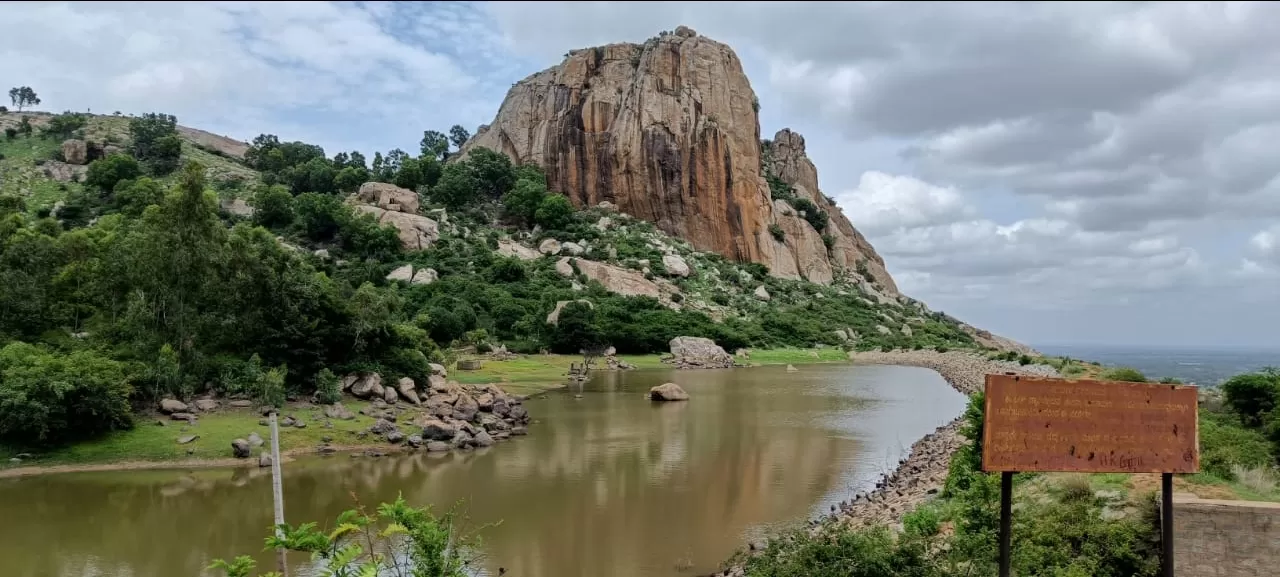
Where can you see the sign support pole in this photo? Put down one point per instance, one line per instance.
(1006, 519)
(1166, 524)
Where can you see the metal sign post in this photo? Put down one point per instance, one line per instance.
(1044, 425)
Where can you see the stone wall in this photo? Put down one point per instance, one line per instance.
(1225, 538)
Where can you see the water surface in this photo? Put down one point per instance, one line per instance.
(606, 484)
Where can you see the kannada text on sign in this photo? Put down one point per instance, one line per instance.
(1046, 424)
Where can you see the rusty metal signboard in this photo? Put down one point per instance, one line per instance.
(1047, 424)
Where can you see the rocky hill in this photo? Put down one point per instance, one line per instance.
(668, 131)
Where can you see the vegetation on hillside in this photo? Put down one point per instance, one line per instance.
(137, 276)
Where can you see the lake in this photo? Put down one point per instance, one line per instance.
(605, 484)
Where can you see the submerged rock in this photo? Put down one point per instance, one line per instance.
(668, 392)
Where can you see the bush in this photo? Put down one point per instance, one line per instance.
(1252, 396)
(849, 553)
(777, 232)
(1124, 374)
(105, 173)
(555, 212)
(1226, 444)
(328, 387)
(48, 398)
(273, 206)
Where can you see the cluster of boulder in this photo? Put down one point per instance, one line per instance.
(455, 417)
(398, 207)
(697, 353)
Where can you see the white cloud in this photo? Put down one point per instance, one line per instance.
(883, 202)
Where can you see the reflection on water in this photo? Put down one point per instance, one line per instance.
(608, 484)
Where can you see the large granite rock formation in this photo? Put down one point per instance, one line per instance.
(398, 207)
(668, 131)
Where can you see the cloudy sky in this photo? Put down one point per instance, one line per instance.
(1059, 173)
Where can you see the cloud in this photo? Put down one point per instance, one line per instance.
(884, 203)
(343, 75)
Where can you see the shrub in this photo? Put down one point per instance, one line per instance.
(1024, 360)
(1252, 396)
(49, 398)
(105, 173)
(777, 232)
(1226, 444)
(555, 212)
(847, 553)
(1124, 374)
(271, 387)
(328, 387)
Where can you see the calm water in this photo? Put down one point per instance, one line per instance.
(609, 484)
(1202, 366)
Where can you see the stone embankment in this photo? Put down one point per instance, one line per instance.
(924, 471)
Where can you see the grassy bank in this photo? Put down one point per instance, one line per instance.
(536, 373)
(148, 442)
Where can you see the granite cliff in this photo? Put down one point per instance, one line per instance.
(668, 131)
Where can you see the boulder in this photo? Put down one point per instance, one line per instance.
(206, 405)
(389, 197)
(241, 403)
(264, 459)
(485, 402)
(382, 427)
(883, 329)
(170, 406)
(321, 253)
(604, 223)
(404, 273)
(188, 417)
(438, 430)
(367, 386)
(255, 440)
(416, 232)
(187, 439)
(668, 392)
(762, 293)
(466, 408)
(549, 246)
(438, 369)
(501, 407)
(906, 329)
(338, 411)
(437, 384)
(236, 206)
(414, 440)
(437, 446)
(616, 279)
(75, 151)
(407, 389)
(519, 431)
(792, 369)
(482, 439)
(395, 436)
(464, 440)
(572, 248)
(390, 395)
(507, 247)
(299, 424)
(425, 276)
(699, 352)
(676, 265)
(518, 414)
(240, 449)
(553, 318)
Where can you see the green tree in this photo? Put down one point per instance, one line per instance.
(457, 187)
(458, 136)
(23, 96)
(318, 215)
(494, 174)
(105, 173)
(1252, 396)
(49, 398)
(273, 206)
(555, 212)
(350, 178)
(328, 388)
(65, 124)
(132, 197)
(155, 142)
(522, 202)
(576, 329)
(435, 145)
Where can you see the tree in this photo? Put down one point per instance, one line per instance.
(132, 197)
(23, 96)
(318, 215)
(350, 178)
(65, 124)
(155, 142)
(493, 171)
(273, 206)
(458, 136)
(49, 398)
(1252, 396)
(105, 173)
(555, 212)
(522, 202)
(435, 145)
(457, 186)
(576, 329)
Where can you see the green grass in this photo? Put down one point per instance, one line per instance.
(150, 442)
(20, 176)
(797, 356)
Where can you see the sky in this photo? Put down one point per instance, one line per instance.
(1074, 173)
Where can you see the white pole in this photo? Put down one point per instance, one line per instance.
(277, 493)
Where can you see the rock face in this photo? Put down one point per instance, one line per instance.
(668, 132)
(698, 352)
(75, 151)
(508, 247)
(668, 392)
(416, 232)
(617, 279)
